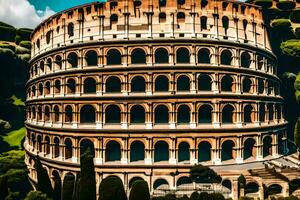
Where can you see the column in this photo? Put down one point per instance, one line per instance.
(124, 158)
(216, 23)
(172, 151)
(235, 189)
(148, 152)
(172, 116)
(193, 83)
(149, 116)
(193, 122)
(259, 149)
(275, 145)
(216, 152)
(124, 117)
(216, 115)
(99, 123)
(239, 114)
(239, 151)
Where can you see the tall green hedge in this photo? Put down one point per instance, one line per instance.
(139, 190)
(7, 33)
(291, 47)
(25, 44)
(111, 188)
(286, 5)
(295, 16)
(297, 133)
(281, 23)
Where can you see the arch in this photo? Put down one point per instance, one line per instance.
(225, 23)
(57, 185)
(226, 57)
(68, 186)
(91, 58)
(134, 179)
(47, 88)
(267, 146)
(39, 143)
(137, 151)
(251, 187)
(56, 113)
(261, 86)
(162, 17)
(183, 114)
(227, 150)
(205, 114)
(161, 114)
(138, 84)
(245, 60)
(274, 189)
(72, 60)
(40, 89)
(86, 144)
(249, 148)
(137, 114)
(47, 113)
(47, 145)
(160, 184)
(248, 114)
(204, 151)
(247, 85)
(262, 112)
(204, 82)
(183, 152)
(89, 85)
(113, 57)
(68, 148)
(162, 84)
(112, 151)
(183, 83)
(58, 62)
(113, 19)
(68, 114)
(87, 114)
(161, 56)
(138, 56)
(113, 114)
(56, 147)
(180, 17)
(71, 86)
(204, 56)
(182, 55)
(184, 181)
(113, 85)
(161, 151)
(71, 29)
(227, 84)
(227, 184)
(227, 114)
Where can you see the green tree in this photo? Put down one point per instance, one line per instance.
(36, 195)
(68, 187)
(111, 188)
(43, 180)
(203, 196)
(195, 196)
(87, 184)
(139, 190)
(3, 187)
(204, 174)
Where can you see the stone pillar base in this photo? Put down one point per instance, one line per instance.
(99, 161)
(99, 126)
(124, 125)
(217, 161)
(148, 161)
(239, 160)
(193, 125)
(149, 93)
(124, 161)
(193, 161)
(172, 125)
(259, 158)
(149, 125)
(74, 160)
(172, 161)
(217, 125)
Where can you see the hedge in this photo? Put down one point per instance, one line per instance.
(139, 190)
(7, 51)
(297, 33)
(24, 57)
(7, 33)
(24, 33)
(26, 44)
(112, 188)
(297, 133)
(22, 50)
(7, 46)
(286, 5)
(264, 3)
(291, 47)
(295, 16)
(6, 25)
(297, 82)
(281, 23)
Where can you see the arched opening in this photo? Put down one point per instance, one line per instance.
(56, 147)
(68, 186)
(39, 143)
(227, 84)
(91, 58)
(138, 56)
(114, 57)
(274, 189)
(113, 114)
(183, 152)
(180, 17)
(271, 112)
(113, 85)
(41, 89)
(47, 87)
(138, 84)
(184, 182)
(68, 114)
(245, 60)
(182, 55)
(205, 114)
(33, 91)
(248, 114)
(203, 21)
(161, 56)
(113, 19)
(162, 84)
(162, 3)
(112, 151)
(49, 64)
(68, 148)
(85, 145)
(227, 184)
(161, 151)
(183, 114)
(227, 150)
(204, 56)
(204, 151)
(87, 114)
(137, 151)
(183, 83)
(161, 114)
(72, 60)
(71, 86)
(57, 185)
(56, 114)
(89, 85)
(249, 148)
(262, 112)
(181, 2)
(134, 179)
(267, 146)
(261, 86)
(47, 145)
(251, 187)
(47, 114)
(294, 185)
(204, 82)
(137, 114)
(161, 184)
(162, 17)
(71, 29)
(225, 23)
(42, 67)
(227, 114)
(58, 62)
(247, 84)
(226, 57)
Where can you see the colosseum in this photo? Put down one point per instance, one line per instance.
(153, 87)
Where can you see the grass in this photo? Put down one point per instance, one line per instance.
(15, 137)
(17, 101)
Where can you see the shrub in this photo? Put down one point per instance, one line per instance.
(297, 32)
(242, 181)
(264, 3)
(139, 190)
(291, 47)
(25, 44)
(7, 33)
(286, 5)
(18, 39)
(281, 23)
(297, 133)
(216, 196)
(36, 195)
(43, 180)
(6, 25)
(21, 50)
(3, 187)
(112, 188)
(68, 186)
(295, 16)
(24, 57)
(7, 46)
(203, 196)
(194, 196)
(170, 197)
(24, 33)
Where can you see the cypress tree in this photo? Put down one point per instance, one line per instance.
(68, 186)
(3, 187)
(43, 180)
(111, 188)
(87, 184)
(139, 190)
(297, 133)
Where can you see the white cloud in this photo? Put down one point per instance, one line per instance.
(20, 13)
